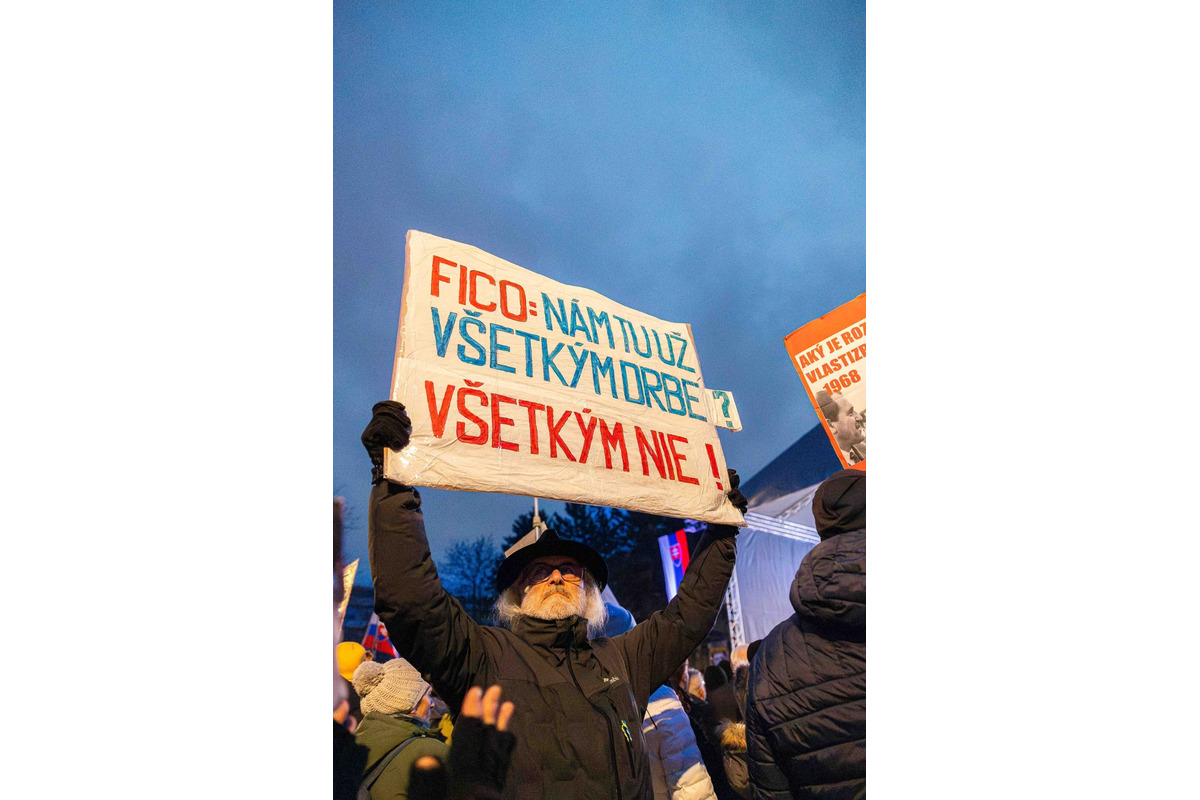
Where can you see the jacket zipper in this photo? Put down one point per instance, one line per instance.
(612, 756)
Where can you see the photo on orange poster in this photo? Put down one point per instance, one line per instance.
(830, 353)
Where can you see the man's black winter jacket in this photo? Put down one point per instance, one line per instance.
(579, 703)
(806, 705)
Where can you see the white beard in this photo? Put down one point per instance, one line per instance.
(554, 602)
(513, 603)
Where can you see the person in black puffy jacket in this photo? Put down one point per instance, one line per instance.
(806, 704)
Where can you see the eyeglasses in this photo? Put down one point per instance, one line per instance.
(536, 573)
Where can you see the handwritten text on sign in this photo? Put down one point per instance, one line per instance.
(519, 384)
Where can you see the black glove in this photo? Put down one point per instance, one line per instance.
(389, 427)
(427, 781)
(479, 758)
(735, 496)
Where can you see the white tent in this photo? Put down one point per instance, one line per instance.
(780, 533)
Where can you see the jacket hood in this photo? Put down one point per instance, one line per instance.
(831, 584)
(840, 503)
(732, 736)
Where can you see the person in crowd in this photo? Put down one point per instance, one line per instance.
(849, 429)
(349, 713)
(742, 657)
(395, 726)
(688, 685)
(719, 694)
(806, 706)
(478, 761)
(440, 716)
(349, 656)
(581, 700)
(723, 725)
(348, 756)
(689, 688)
(677, 770)
(677, 766)
(741, 670)
(731, 738)
(678, 681)
(617, 620)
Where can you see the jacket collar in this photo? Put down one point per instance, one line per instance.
(397, 720)
(556, 634)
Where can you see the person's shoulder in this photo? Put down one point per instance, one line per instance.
(662, 700)
(373, 721)
(771, 651)
(774, 638)
(431, 742)
(701, 709)
(498, 633)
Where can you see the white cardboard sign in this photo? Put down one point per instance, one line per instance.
(516, 383)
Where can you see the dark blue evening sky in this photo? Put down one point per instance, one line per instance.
(701, 163)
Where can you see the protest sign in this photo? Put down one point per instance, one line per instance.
(347, 586)
(830, 354)
(516, 383)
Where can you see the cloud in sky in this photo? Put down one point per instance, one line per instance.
(702, 164)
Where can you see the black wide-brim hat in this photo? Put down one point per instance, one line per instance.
(550, 544)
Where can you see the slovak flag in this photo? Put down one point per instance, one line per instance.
(377, 640)
(674, 550)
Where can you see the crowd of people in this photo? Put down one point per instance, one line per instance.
(570, 697)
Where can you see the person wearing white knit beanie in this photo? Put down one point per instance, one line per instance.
(395, 703)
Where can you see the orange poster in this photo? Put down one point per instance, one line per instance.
(830, 354)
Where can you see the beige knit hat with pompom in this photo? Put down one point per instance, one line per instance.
(391, 687)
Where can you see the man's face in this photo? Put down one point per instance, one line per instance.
(845, 427)
(553, 588)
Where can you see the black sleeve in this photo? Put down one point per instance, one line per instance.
(428, 626)
(655, 647)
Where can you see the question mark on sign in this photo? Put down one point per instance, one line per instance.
(724, 404)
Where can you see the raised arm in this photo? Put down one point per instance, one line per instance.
(657, 646)
(427, 624)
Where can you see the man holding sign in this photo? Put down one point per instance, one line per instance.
(580, 701)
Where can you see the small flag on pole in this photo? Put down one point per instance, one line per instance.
(674, 550)
(377, 640)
